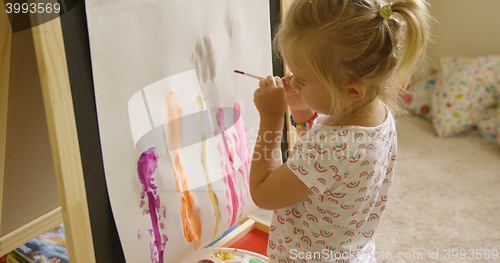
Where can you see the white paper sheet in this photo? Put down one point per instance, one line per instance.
(142, 51)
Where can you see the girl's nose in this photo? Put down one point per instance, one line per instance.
(287, 78)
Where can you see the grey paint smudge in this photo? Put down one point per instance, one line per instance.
(204, 59)
(232, 24)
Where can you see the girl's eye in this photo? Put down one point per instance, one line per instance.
(300, 82)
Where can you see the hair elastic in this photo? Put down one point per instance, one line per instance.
(308, 123)
(386, 11)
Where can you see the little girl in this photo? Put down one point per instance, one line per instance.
(349, 60)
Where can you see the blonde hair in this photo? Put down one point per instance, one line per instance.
(347, 41)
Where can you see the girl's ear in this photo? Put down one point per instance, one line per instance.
(356, 92)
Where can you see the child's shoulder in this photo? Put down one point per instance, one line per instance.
(351, 134)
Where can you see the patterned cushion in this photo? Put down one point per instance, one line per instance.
(488, 125)
(466, 88)
(419, 97)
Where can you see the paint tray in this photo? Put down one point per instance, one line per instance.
(209, 255)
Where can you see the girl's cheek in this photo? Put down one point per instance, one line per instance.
(294, 84)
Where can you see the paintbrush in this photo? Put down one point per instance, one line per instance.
(248, 74)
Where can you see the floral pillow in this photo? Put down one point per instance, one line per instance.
(418, 98)
(488, 125)
(466, 88)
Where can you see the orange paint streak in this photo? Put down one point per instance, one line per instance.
(190, 216)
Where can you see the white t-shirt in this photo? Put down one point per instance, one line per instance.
(349, 170)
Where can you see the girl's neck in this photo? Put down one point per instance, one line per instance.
(372, 114)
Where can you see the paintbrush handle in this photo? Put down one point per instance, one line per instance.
(248, 74)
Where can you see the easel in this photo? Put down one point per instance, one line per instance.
(66, 152)
(54, 80)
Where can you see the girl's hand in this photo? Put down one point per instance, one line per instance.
(270, 98)
(293, 99)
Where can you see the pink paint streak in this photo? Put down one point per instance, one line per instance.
(241, 146)
(230, 172)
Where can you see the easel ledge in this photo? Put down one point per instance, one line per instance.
(29, 231)
(250, 223)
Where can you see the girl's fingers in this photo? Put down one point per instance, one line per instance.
(279, 82)
(271, 82)
(262, 84)
(256, 93)
(268, 82)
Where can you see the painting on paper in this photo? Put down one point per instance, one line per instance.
(177, 126)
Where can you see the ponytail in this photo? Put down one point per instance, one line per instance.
(413, 41)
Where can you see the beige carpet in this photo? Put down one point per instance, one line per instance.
(446, 195)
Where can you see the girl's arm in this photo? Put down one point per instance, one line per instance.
(272, 184)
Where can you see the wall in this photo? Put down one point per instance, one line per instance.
(464, 27)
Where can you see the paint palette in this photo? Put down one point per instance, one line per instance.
(226, 255)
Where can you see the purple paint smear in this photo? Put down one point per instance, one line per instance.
(146, 166)
(227, 164)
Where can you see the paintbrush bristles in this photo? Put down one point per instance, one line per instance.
(247, 74)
